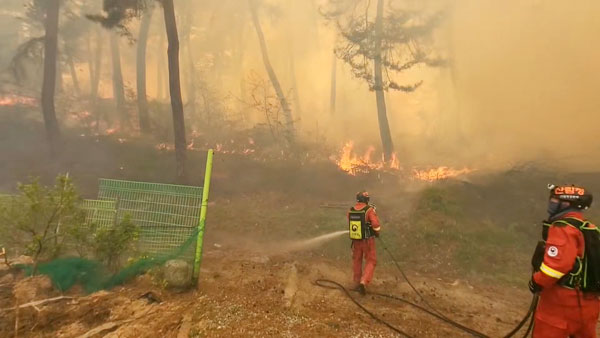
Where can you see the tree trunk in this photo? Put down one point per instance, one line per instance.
(49, 82)
(59, 79)
(175, 89)
(160, 68)
(95, 65)
(118, 87)
(292, 50)
(384, 126)
(142, 98)
(191, 77)
(333, 92)
(295, 91)
(287, 112)
(74, 75)
(239, 67)
(191, 74)
(90, 62)
(94, 68)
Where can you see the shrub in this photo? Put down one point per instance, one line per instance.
(111, 243)
(38, 217)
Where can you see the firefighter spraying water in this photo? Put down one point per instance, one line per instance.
(364, 227)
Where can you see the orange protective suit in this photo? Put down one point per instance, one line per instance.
(365, 248)
(563, 312)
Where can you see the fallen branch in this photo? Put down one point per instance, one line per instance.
(3, 254)
(37, 302)
(16, 318)
(114, 325)
(104, 327)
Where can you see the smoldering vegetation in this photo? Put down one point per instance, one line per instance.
(517, 82)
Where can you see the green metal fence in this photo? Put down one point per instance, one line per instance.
(100, 212)
(166, 214)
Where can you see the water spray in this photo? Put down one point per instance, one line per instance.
(311, 243)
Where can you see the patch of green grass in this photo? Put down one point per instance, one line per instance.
(439, 200)
(441, 234)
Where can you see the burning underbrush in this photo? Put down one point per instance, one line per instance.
(354, 164)
(8, 100)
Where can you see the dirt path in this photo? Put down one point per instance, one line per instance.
(243, 294)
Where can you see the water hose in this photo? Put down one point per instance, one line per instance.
(326, 283)
(323, 283)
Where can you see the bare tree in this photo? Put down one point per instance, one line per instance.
(333, 91)
(287, 111)
(117, 78)
(117, 15)
(142, 98)
(94, 69)
(191, 72)
(160, 66)
(49, 82)
(384, 126)
(175, 88)
(73, 72)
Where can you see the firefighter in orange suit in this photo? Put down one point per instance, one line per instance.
(364, 227)
(565, 309)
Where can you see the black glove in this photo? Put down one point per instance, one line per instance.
(376, 233)
(533, 286)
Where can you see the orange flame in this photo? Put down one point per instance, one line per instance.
(13, 100)
(111, 131)
(191, 145)
(165, 146)
(353, 164)
(395, 164)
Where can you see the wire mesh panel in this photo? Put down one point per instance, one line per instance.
(166, 214)
(102, 213)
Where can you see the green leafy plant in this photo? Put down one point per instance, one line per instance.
(38, 218)
(110, 244)
(81, 238)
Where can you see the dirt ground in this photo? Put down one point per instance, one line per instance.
(246, 294)
(252, 286)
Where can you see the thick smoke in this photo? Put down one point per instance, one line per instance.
(520, 85)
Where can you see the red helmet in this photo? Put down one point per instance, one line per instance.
(577, 197)
(362, 196)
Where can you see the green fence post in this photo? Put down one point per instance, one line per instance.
(205, 191)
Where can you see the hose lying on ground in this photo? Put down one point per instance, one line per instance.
(323, 283)
(531, 311)
(329, 284)
(431, 311)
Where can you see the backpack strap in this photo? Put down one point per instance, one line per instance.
(545, 227)
(572, 221)
(365, 209)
